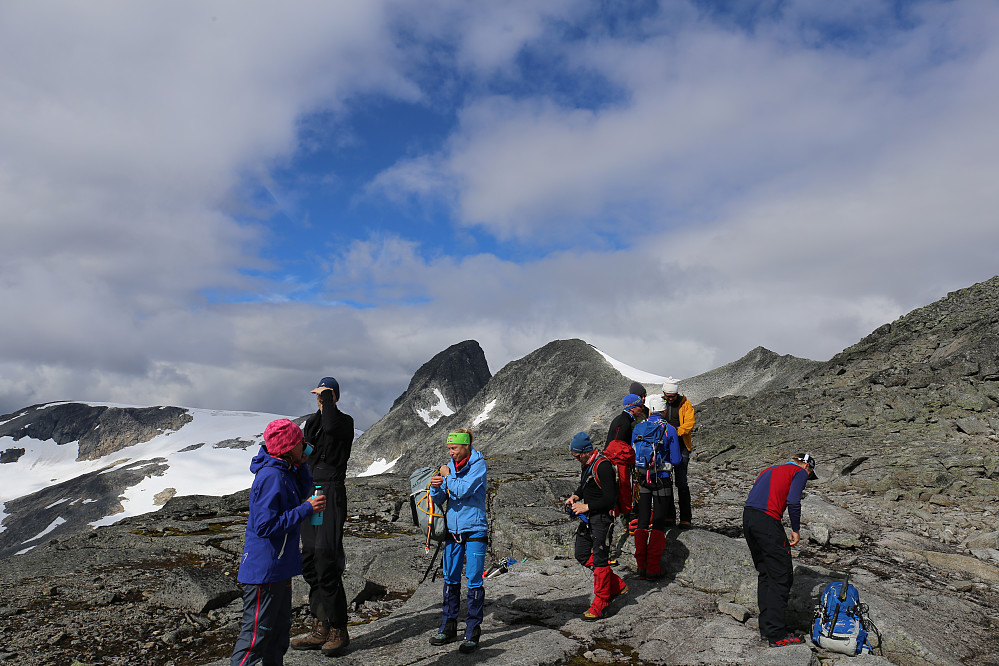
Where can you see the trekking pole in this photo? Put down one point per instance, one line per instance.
(844, 587)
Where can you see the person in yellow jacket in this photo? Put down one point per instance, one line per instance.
(679, 413)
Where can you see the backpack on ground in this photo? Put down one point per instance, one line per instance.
(429, 516)
(620, 454)
(841, 623)
(650, 456)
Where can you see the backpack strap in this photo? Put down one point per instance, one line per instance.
(593, 466)
(440, 544)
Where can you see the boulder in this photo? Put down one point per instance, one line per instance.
(196, 590)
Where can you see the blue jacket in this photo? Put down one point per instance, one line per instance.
(465, 492)
(670, 447)
(277, 506)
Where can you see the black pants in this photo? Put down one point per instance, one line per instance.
(324, 560)
(772, 557)
(679, 477)
(655, 506)
(593, 538)
(266, 628)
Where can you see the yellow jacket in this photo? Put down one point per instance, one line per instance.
(685, 415)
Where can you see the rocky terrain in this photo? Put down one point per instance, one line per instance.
(904, 426)
(761, 370)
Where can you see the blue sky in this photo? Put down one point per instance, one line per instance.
(214, 205)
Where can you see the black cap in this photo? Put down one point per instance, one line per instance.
(810, 461)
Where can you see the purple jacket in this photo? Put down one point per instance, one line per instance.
(278, 503)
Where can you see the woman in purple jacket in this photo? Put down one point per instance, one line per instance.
(279, 501)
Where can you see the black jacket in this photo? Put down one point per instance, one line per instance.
(600, 496)
(331, 432)
(620, 428)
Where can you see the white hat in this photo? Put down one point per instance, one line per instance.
(671, 385)
(655, 403)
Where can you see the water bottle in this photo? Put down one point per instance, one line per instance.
(317, 518)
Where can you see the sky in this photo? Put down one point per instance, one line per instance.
(215, 204)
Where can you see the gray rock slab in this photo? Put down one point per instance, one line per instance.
(196, 590)
(817, 511)
(710, 562)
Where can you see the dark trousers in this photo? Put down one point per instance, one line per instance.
(655, 506)
(324, 560)
(593, 538)
(265, 632)
(772, 557)
(679, 478)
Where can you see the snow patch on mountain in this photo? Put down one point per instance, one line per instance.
(378, 467)
(631, 373)
(54, 524)
(435, 413)
(484, 414)
(197, 463)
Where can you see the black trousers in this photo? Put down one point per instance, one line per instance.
(593, 538)
(324, 560)
(679, 478)
(772, 557)
(655, 506)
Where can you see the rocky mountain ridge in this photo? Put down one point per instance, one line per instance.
(441, 386)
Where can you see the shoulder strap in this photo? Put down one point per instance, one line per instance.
(593, 466)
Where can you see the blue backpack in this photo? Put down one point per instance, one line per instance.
(841, 623)
(651, 455)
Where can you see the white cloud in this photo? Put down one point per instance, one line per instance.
(729, 189)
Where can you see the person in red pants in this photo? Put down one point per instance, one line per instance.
(592, 502)
(657, 451)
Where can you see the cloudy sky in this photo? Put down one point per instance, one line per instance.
(214, 204)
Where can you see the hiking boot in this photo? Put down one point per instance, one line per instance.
(446, 635)
(470, 643)
(790, 639)
(641, 574)
(590, 616)
(314, 639)
(647, 576)
(623, 590)
(684, 524)
(338, 640)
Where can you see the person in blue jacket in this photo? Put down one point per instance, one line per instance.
(279, 501)
(462, 483)
(657, 450)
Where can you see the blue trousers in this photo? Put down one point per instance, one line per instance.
(266, 630)
(471, 554)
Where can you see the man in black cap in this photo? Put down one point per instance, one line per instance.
(331, 433)
(775, 489)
